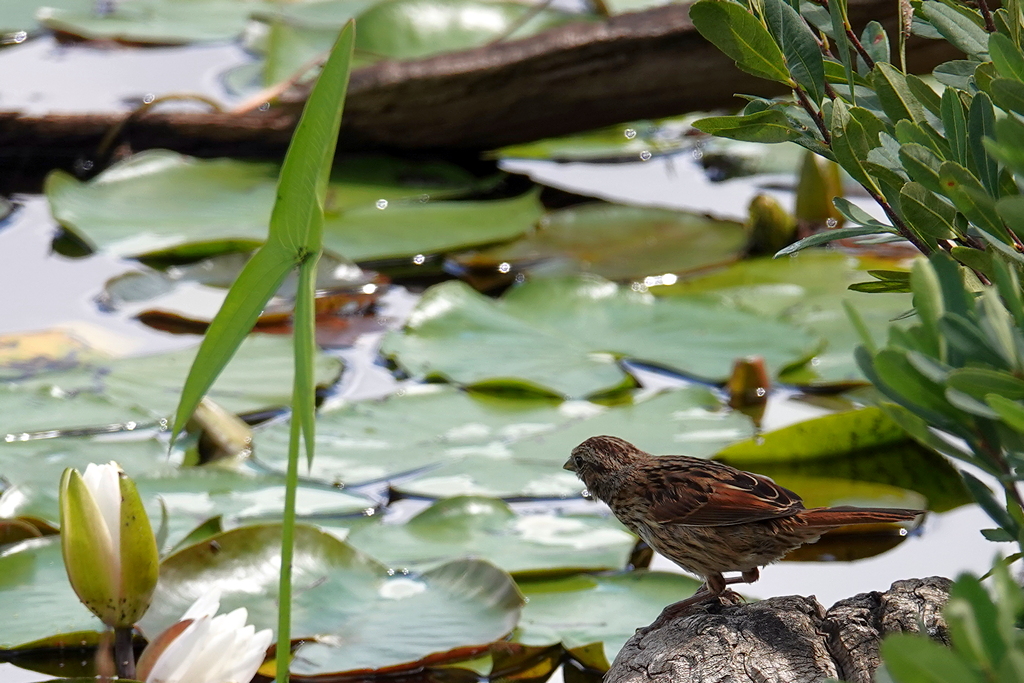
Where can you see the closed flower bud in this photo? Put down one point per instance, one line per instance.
(203, 648)
(109, 549)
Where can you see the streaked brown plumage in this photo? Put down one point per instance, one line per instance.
(706, 516)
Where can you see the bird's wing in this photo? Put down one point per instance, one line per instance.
(711, 494)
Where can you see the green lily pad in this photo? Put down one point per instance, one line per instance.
(258, 377)
(413, 29)
(806, 289)
(830, 492)
(154, 21)
(38, 599)
(364, 615)
(442, 442)
(20, 15)
(583, 609)
(160, 204)
(192, 495)
(33, 468)
(563, 336)
(27, 409)
(472, 526)
(623, 142)
(826, 436)
(618, 243)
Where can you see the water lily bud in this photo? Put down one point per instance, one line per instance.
(109, 549)
(203, 648)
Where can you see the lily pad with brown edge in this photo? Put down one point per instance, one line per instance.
(437, 441)
(616, 242)
(563, 336)
(37, 597)
(590, 608)
(161, 205)
(474, 526)
(363, 616)
(806, 289)
(185, 298)
(258, 377)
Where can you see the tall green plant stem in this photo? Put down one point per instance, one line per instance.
(303, 402)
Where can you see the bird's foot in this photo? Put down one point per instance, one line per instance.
(681, 608)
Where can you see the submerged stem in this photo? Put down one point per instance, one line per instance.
(124, 652)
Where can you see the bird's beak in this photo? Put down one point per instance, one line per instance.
(569, 466)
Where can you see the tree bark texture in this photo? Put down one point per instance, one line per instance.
(572, 78)
(790, 639)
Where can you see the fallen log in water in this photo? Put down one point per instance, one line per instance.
(569, 79)
(790, 639)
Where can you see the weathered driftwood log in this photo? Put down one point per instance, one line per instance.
(790, 639)
(572, 78)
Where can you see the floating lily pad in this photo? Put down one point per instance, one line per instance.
(618, 242)
(472, 526)
(806, 289)
(20, 15)
(154, 21)
(159, 204)
(38, 599)
(33, 468)
(826, 436)
(35, 409)
(583, 609)
(441, 442)
(623, 142)
(192, 495)
(23, 355)
(562, 336)
(258, 377)
(365, 617)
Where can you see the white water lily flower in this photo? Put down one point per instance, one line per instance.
(203, 648)
(108, 545)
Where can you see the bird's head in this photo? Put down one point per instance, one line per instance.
(600, 455)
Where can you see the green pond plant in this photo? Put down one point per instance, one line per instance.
(294, 241)
(944, 160)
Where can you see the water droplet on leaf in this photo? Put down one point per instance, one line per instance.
(382, 204)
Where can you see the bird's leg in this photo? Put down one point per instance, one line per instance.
(748, 576)
(714, 586)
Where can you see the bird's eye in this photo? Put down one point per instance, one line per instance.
(577, 461)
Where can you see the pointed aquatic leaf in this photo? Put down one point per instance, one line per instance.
(924, 93)
(922, 134)
(840, 24)
(1007, 57)
(957, 74)
(851, 143)
(857, 215)
(737, 33)
(799, 46)
(973, 623)
(295, 228)
(981, 124)
(767, 126)
(897, 100)
(964, 33)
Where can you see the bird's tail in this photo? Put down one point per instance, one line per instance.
(841, 516)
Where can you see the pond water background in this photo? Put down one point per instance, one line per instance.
(44, 290)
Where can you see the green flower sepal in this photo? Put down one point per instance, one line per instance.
(109, 548)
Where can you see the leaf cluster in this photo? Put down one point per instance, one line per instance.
(943, 163)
